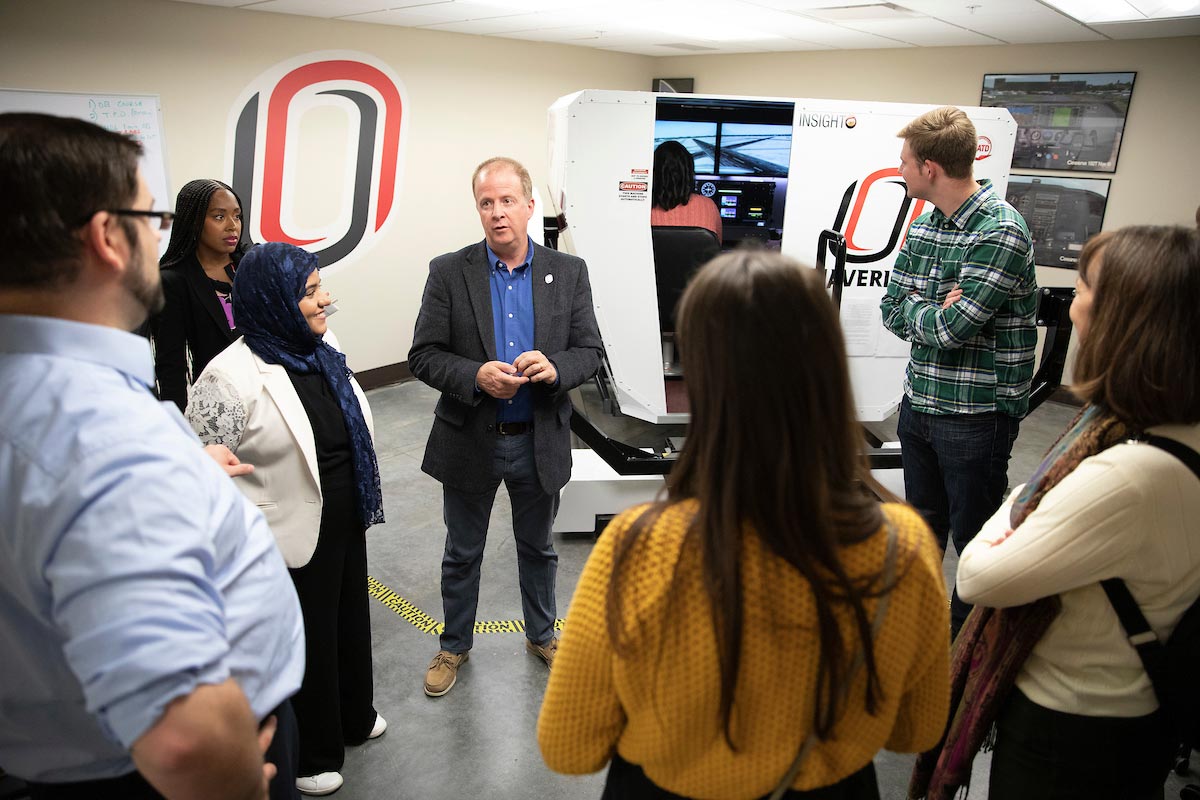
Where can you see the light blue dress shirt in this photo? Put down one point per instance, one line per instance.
(132, 569)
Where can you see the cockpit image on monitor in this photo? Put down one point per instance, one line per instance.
(700, 139)
(749, 149)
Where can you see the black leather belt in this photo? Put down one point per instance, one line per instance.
(513, 428)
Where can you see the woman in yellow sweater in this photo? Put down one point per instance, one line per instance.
(712, 633)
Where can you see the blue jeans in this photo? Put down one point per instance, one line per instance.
(466, 515)
(955, 474)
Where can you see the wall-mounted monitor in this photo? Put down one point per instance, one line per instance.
(1062, 214)
(1066, 120)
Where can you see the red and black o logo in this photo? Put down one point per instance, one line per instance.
(873, 198)
(265, 131)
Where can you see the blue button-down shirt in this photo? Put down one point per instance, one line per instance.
(132, 569)
(512, 322)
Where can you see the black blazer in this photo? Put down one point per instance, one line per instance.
(192, 321)
(455, 335)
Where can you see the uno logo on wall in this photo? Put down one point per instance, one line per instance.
(316, 145)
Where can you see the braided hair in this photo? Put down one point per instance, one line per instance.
(191, 206)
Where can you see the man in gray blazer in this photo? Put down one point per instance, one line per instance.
(506, 329)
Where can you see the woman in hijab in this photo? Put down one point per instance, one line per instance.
(282, 399)
(207, 242)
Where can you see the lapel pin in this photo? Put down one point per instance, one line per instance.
(549, 279)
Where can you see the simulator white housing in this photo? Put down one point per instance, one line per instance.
(782, 171)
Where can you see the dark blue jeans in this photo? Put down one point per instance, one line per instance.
(467, 514)
(955, 474)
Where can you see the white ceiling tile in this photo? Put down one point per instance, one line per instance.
(1016, 32)
(487, 27)
(225, 3)
(646, 27)
(405, 17)
(925, 32)
(1150, 29)
(319, 8)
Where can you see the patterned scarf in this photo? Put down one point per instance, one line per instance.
(267, 290)
(993, 644)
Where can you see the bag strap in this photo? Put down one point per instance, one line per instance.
(1143, 638)
(1178, 449)
(889, 574)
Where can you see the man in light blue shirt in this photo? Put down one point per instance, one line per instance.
(147, 622)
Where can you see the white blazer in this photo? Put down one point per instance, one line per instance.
(252, 408)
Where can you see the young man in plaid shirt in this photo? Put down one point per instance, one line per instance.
(963, 291)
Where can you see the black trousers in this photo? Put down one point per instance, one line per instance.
(132, 786)
(334, 706)
(628, 781)
(1050, 755)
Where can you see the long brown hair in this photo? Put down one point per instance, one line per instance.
(1139, 358)
(774, 448)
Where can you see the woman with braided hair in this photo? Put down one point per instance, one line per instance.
(1044, 655)
(207, 242)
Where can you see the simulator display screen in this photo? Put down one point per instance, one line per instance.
(730, 137)
(700, 139)
(748, 149)
(1066, 121)
(1062, 214)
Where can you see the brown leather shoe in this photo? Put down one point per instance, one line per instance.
(443, 672)
(545, 652)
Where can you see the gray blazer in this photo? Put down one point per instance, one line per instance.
(455, 335)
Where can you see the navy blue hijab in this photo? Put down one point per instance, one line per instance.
(267, 290)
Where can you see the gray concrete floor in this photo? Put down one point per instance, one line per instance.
(479, 741)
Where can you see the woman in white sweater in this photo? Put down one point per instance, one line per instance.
(1082, 719)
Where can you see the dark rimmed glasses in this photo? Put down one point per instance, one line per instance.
(165, 218)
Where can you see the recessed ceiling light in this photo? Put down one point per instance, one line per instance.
(1095, 11)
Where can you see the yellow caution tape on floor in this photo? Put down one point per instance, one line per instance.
(427, 624)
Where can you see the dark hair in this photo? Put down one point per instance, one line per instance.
(946, 136)
(1139, 359)
(55, 173)
(674, 175)
(191, 207)
(781, 458)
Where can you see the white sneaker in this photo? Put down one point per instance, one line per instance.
(380, 727)
(324, 783)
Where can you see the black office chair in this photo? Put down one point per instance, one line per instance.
(678, 252)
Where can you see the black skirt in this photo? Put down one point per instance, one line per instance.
(628, 781)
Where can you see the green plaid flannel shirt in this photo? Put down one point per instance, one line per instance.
(977, 355)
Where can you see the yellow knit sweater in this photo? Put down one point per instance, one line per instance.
(659, 707)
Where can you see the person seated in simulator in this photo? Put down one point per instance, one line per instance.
(674, 201)
(770, 610)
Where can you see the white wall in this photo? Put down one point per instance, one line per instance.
(469, 98)
(472, 97)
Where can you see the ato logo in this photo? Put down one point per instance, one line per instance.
(983, 148)
(316, 147)
(867, 209)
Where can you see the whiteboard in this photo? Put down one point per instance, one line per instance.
(138, 115)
